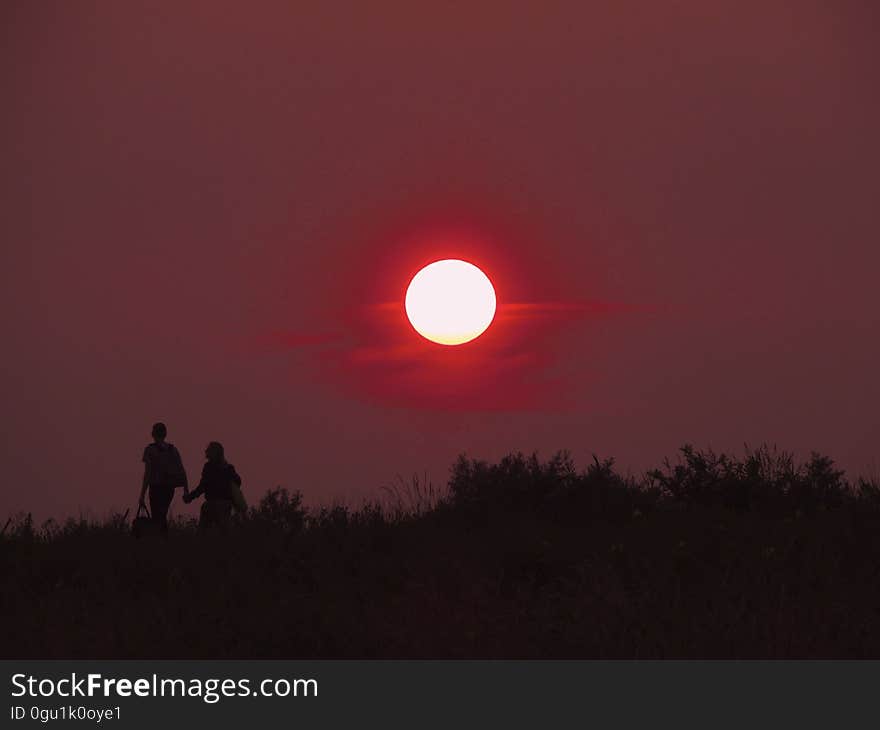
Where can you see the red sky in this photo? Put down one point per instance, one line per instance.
(210, 212)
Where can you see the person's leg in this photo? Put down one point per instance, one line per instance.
(160, 501)
(224, 512)
(215, 513)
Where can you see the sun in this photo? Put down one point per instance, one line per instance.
(450, 302)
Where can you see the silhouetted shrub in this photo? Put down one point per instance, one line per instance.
(516, 482)
(765, 480)
(553, 489)
(819, 485)
(279, 509)
(411, 498)
(21, 527)
(867, 493)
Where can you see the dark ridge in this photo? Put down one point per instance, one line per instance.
(709, 556)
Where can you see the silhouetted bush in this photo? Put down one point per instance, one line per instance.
(280, 509)
(411, 498)
(553, 489)
(516, 483)
(765, 480)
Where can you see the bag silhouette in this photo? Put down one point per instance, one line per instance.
(239, 504)
(168, 466)
(143, 525)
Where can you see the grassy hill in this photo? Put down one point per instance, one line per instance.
(707, 556)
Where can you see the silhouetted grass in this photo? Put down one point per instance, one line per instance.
(708, 556)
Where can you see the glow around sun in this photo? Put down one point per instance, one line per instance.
(450, 302)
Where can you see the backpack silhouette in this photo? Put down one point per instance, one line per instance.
(168, 466)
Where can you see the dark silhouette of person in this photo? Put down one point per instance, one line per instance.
(163, 473)
(218, 478)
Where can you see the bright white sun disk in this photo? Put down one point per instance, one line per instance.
(450, 302)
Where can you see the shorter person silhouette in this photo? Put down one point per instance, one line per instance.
(218, 478)
(163, 473)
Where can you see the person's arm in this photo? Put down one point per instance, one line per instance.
(144, 484)
(199, 490)
(234, 475)
(185, 484)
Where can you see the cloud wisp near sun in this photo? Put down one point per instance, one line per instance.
(509, 365)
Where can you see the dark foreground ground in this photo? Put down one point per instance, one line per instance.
(709, 557)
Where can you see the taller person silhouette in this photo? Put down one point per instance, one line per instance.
(163, 473)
